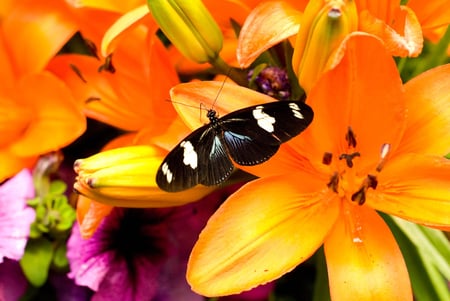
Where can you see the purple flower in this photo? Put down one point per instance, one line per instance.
(140, 254)
(15, 216)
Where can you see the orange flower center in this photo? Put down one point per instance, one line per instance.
(345, 181)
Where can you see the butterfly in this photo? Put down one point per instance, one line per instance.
(248, 136)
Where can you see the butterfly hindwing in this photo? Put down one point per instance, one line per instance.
(200, 158)
(215, 166)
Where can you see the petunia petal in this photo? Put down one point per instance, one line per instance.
(414, 187)
(268, 24)
(363, 92)
(261, 232)
(223, 97)
(428, 122)
(15, 216)
(57, 119)
(363, 259)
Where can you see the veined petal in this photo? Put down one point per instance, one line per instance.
(57, 120)
(363, 92)
(428, 122)
(268, 24)
(404, 39)
(43, 26)
(432, 15)
(93, 214)
(414, 187)
(363, 259)
(261, 232)
(225, 97)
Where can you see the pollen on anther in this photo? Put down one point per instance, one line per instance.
(350, 138)
(327, 158)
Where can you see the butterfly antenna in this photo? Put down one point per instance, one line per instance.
(181, 103)
(221, 87)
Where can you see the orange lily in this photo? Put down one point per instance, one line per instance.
(375, 145)
(34, 103)
(396, 25)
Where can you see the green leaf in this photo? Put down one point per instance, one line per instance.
(36, 261)
(60, 259)
(431, 243)
(427, 283)
(321, 287)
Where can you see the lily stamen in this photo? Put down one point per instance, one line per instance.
(349, 158)
(385, 148)
(327, 158)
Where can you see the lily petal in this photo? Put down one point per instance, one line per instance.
(223, 96)
(363, 259)
(268, 24)
(43, 27)
(405, 39)
(57, 119)
(414, 187)
(428, 122)
(367, 96)
(92, 217)
(433, 15)
(265, 218)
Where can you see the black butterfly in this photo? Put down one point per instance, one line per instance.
(249, 136)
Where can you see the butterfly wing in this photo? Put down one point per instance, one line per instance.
(200, 158)
(254, 134)
(217, 165)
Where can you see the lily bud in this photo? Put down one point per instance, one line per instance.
(126, 176)
(190, 27)
(324, 26)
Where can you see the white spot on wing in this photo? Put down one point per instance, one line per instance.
(296, 110)
(189, 154)
(166, 171)
(264, 121)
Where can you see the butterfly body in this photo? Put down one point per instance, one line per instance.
(249, 136)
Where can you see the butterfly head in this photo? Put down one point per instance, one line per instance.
(212, 115)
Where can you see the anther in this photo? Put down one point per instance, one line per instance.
(108, 65)
(385, 148)
(349, 158)
(360, 196)
(334, 182)
(327, 158)
(350, 138)
(372, 181)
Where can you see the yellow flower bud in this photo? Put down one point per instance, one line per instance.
(126, 177)
(190, 27)
(324, 26)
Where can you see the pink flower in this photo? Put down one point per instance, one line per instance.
(15, 216)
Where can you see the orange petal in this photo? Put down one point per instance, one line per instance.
(432, 15)
(123, 25)
(56, 122)
(267, 25)
(223, 97)
(35, 31)
(428, 122)
(403, 39)
(92, 215)
(261, 232)
(108, 5)
(12, 164)
(414, 187)
(363, 259)
(364, 92)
